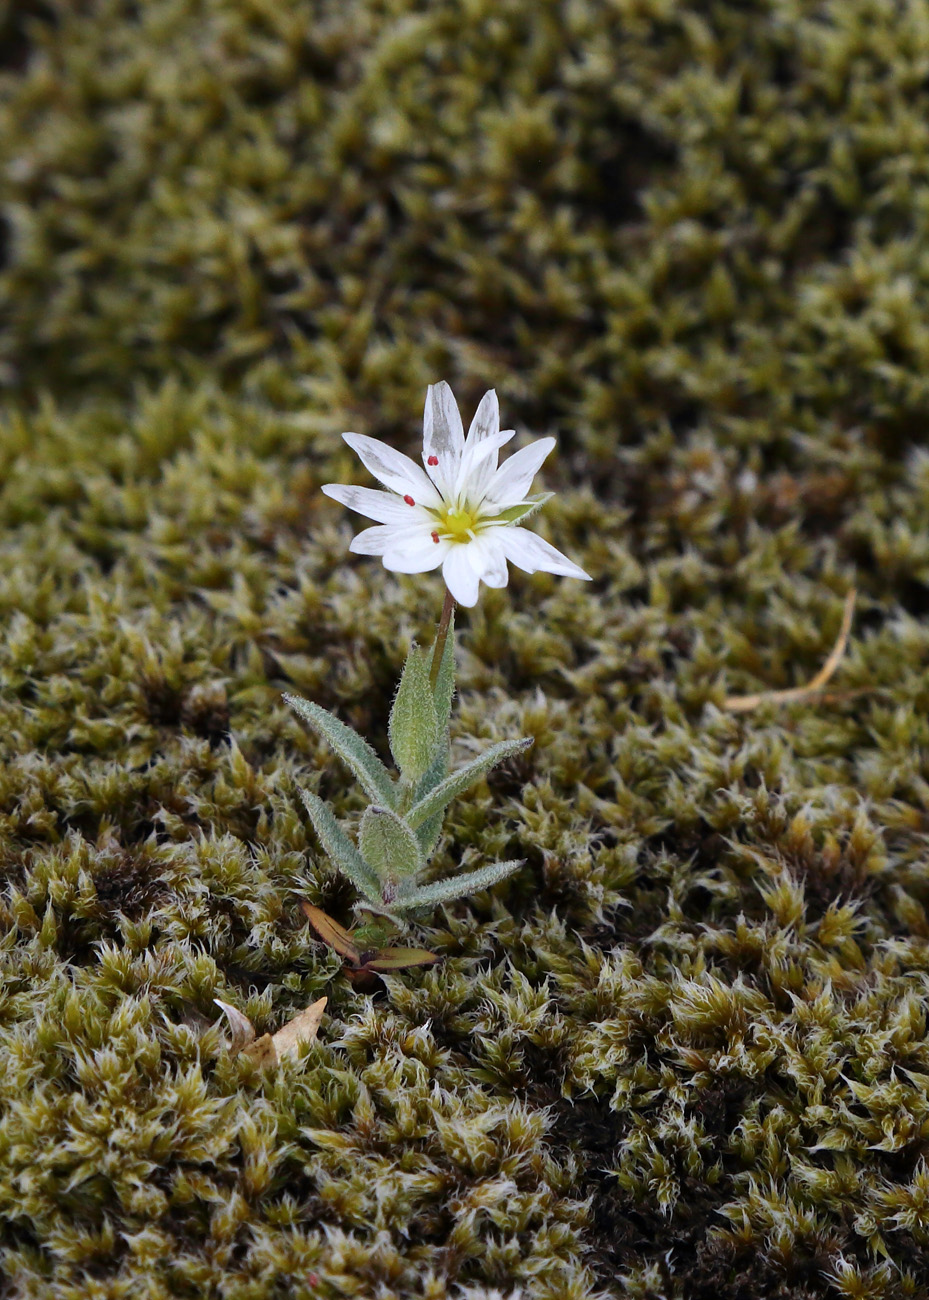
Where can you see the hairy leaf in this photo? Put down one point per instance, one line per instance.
(388, 845)
(443, 891)
(355, 752)
(414, 726)
(428, 832)
(519, 514)
(340, 848)
(459, 781)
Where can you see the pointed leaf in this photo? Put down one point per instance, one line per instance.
(335, 935)
(526, 509)
(443, 891)
(388, 845)
(243, 1031)
(340, 848)
(444, 688)
(428, 832)
(414, 727)
(271, 1050)
(459, 781)
(401, 958)
(355, 752)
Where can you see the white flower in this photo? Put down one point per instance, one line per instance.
(463, 511)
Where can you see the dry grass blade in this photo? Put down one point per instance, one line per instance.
(744, 703)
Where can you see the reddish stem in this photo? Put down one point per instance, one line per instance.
(441, 637)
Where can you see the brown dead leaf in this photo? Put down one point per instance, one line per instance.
(243, 1031)
(262, 1052)
(400, 958)
(362, 963)
(331, 932)
(287, 1041)
(271, 1049)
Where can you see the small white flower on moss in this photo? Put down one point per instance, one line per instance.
(462, 511)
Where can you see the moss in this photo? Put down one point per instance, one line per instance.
(683, 1051)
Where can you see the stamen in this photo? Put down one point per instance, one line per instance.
(433, 460)
(409, 501)
(435, 538)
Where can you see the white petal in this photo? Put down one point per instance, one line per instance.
(375, 541)
(393, 469)
(462, 572)
(531, 553)
(478, 465)
(443, 437)
(416, 554)
(385, 507)
(493, 558)
(513, 479)
(486, 420)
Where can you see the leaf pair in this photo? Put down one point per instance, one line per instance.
(401, 825)
(271, 1049)
(364, 965)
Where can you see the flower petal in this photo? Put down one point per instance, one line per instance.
(513, 479)
(492, 557)
(486, 420)
(461, 570)
(385, 507)
(443, 437)
(478, 466)
(375, 541)
(393, 469)
(416, 554)
(531, 553)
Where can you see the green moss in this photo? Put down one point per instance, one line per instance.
(682, 1052)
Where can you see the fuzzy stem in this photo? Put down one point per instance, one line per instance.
(441, 637)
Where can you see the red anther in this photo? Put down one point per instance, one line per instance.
(435, 538)
(409, 501)
(433, 460)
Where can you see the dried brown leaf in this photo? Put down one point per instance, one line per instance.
(331, 932)
(243, 1031)
(271, 1050)
(400, 959)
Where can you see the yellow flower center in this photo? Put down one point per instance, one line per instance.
(458, 525)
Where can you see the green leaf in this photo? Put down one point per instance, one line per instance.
(444, 688)
(458, 782)
(428, 833)
(414, 726)
(388, 845)
(443, 891)
(355, 752)
(340, 848)
(519, 514)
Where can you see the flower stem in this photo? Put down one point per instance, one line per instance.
(441, 637)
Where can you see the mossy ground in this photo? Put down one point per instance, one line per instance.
(682, 1053)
